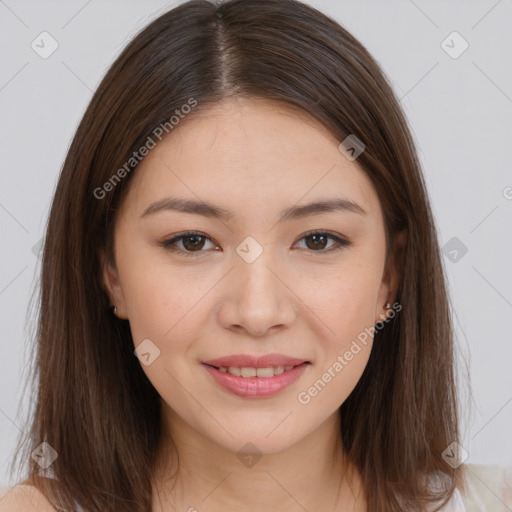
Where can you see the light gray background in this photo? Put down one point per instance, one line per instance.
(460, 111)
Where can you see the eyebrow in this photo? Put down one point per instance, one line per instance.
(217, 212)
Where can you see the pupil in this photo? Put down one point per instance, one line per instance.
(316, 237)
(195, 244)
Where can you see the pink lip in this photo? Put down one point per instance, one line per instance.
(264, 361)
(256, 387)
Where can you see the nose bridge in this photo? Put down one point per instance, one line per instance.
(252, 261)
(257, 299)
(257, 278)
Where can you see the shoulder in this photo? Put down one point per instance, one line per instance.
(24, 498)
(487, 487)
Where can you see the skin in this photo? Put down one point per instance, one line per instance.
(24, 498)
(254, 158)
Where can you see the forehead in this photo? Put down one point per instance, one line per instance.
(251, 154)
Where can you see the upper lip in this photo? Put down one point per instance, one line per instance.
(248, 361)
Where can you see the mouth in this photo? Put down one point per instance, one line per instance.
(249, 376)
(249, 371)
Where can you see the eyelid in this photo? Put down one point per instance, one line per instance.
(340, 242)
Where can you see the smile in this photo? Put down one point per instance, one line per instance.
(248, 371)
(263, 379)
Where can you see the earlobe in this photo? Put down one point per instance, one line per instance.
(391, 278)
(112, 286)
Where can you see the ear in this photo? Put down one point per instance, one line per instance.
(391, 277)
(110, 280)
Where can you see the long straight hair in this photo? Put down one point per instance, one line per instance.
(94, 405)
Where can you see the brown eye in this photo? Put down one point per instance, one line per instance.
(316, 241)
(191, 243)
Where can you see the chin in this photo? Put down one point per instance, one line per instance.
(262, 440)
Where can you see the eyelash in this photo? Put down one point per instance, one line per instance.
(340, 243)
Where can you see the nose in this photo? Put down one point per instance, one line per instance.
(257, 299)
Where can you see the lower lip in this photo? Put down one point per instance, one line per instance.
(256, 387)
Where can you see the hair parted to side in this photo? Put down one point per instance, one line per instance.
(94, 404)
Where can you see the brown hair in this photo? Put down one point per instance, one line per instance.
(94, 404)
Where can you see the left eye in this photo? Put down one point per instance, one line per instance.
(194, 242)
(320, 238)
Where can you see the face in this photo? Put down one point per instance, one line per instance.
(292, 292)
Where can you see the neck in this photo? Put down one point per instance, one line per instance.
(312, 474)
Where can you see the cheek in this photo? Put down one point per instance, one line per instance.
(344, 311)
(164, 302)
(343, 301)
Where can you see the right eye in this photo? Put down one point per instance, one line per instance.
(191, 242)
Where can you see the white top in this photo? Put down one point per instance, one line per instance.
(488, 489)
(456, 503)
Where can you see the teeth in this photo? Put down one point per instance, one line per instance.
(248, 372)
(255, 372)
(264, 372)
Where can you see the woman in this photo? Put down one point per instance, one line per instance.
(243, 301)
